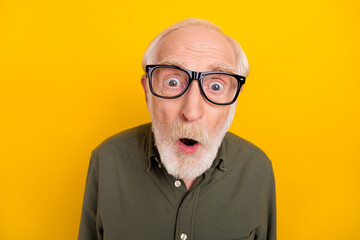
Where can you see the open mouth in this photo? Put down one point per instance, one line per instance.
(188, 142)
(188, 146)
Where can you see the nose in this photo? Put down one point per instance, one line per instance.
(192, 108)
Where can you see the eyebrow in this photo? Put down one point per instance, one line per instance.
(223, 67)
(220, 67)
(173, 62)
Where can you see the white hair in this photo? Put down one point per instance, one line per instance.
(241, 60)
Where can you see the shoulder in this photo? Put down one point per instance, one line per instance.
(240, 151)
(128, 139)
(236, 141)
(128, 134)
(121, 154)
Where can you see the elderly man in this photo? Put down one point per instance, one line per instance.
(183, 176)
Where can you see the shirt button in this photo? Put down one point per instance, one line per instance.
(177, 183)
(183, 236)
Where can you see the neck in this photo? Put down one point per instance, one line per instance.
(189, 182)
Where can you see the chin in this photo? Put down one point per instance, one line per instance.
(186, 166)
(183, 165)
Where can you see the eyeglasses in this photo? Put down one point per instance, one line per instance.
(170, 82)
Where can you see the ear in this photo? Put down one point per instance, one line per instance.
(241, 89)
(144, 85)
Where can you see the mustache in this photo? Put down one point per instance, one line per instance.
(196, 132)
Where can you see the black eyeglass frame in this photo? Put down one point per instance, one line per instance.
(194, 76)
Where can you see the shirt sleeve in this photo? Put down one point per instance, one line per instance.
(90, 223)
(267, 230)
(271, 207)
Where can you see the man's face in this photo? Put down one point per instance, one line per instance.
(188, 130)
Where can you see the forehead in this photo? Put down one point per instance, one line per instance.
(196, 48)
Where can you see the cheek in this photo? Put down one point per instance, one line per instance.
(218, 116)
(165, 111)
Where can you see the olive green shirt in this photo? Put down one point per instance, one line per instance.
(129, 194)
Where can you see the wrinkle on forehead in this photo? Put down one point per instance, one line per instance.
(220, 67)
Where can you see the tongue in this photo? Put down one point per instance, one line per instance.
(188, 146)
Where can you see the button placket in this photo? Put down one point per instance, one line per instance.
(186, 214)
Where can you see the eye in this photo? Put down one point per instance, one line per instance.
(173, 82)
(215, 86)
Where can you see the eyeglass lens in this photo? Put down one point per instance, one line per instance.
(171, 82)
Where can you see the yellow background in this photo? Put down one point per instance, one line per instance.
(70, 77)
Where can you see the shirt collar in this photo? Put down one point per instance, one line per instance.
(153, 157)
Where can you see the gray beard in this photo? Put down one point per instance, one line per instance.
(183, 166)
